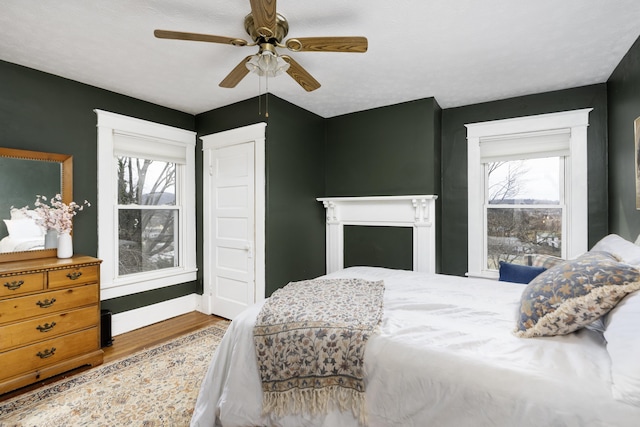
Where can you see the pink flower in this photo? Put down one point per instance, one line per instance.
(57, 215)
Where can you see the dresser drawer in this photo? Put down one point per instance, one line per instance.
(45, 303)
(42, 328)
(48, 352)
(21, 284)
(73, 276)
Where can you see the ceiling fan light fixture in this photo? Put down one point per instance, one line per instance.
(267, 63)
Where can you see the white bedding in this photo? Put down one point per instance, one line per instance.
(12, 244)
(446, 356)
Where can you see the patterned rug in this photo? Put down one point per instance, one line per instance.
(154, 387)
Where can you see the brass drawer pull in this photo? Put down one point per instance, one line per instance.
(12, 286)
(46, 303)
(46, 328)
(46, 353)
(74, 275)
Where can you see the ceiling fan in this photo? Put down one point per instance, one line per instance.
(267, 29)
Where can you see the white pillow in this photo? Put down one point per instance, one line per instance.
(23, 228)
(628, 252)
(623, 344)
(18, 214)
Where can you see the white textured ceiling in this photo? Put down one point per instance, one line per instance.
(459, 51)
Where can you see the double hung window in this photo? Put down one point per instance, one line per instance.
(146, 197)
(524, 209)
(527, 182)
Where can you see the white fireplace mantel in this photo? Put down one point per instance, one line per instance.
(418, 212)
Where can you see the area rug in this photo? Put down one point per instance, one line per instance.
(154, 387)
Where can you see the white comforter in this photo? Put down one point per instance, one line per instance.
(12, 244)
(445, 357)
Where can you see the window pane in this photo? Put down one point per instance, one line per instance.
(146, 182)
(532, 181)
(147, 240)
(515, 232)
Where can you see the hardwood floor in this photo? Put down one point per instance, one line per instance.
(139, 339)
(134, 341)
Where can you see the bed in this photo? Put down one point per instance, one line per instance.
(447, 354)
(12, 244)
(24, 234)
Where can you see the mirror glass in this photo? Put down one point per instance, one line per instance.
(23, 176)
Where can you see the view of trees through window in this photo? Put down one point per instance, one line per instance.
(147, 215)
(524, 210)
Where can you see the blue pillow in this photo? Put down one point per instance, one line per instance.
(517, 273)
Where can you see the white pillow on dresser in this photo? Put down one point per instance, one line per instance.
(622, 332)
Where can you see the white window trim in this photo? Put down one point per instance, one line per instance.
(113, 286)
(576, 196)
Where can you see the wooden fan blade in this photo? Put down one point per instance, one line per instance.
(178, 35)
(264, 17)
(300, 75)
(237, 74)
(328, 44)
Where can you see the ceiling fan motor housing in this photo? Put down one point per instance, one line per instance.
(264, 34)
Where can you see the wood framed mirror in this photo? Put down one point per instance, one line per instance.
(25, 174)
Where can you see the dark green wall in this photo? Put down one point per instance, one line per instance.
(295, 178)
(453, 218)
(387, 151)
(295, 235)
(42, 112)
(624, 107)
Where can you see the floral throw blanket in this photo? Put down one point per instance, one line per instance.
(310, 339)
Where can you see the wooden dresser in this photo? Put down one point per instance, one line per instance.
(49, 318)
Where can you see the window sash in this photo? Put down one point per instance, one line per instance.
(486, 237)
(176, 257)
(178, 226)
(486, 206)
(562, 175)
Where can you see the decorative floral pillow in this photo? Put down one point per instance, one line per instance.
(573, 294)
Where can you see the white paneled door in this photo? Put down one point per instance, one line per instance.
(233, 256)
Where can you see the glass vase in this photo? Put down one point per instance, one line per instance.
(51, 239)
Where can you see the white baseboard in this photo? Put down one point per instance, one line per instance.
(145, 316)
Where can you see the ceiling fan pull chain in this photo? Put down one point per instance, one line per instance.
(259, 95)
(266, 95)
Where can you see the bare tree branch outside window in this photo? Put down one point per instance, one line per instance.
(519, 221)
(147, 215)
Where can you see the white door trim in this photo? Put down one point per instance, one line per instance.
(257, 134)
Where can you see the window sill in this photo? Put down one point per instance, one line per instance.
(143, 282)
(493, 275)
